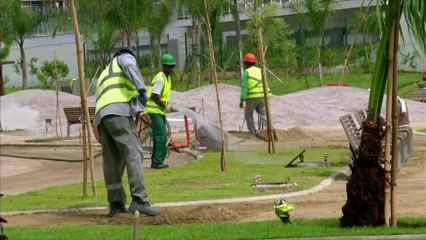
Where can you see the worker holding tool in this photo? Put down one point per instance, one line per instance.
(252, 92)
(120, 94)
(159, 97)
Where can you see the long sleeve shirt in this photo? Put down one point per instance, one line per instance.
(244, 87)
(131, 70)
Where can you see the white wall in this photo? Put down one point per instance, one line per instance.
(44, 48)
(409, 45)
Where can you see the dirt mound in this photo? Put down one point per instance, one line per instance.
(317, 107)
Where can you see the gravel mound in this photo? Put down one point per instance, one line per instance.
(317, 107)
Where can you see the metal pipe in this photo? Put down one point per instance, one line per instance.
(135, 225)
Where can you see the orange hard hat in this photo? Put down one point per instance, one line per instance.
(249, 57)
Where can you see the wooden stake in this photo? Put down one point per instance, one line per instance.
(83, 124)
(395, 35)
(271, 145)
(83, 92)
(58, 118)
(388, 136)
(223, 166)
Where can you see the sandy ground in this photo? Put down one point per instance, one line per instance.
(305, 119)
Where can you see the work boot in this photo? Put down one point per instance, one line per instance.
(145, 208)
(159, 166)
(116, 208)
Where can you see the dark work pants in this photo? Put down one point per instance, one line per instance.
(257, 104)
(121, 148)
(159, 138)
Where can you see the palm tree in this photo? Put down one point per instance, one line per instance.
(158, 16)
(7, 41)
(365, 205)
(316, 13)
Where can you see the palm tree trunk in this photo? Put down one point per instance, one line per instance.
(128, 38)
(159, 51)
(319, 66)
(151, 65)
(23, 64)
(240, 42)
(197, 54)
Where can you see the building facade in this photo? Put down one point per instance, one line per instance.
(177, 35)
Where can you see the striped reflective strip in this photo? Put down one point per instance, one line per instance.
(114, 86)
(114, 186)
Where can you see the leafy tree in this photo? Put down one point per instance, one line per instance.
(97, 27)
(330, 57)
(365, 22)
(159, 14)
(52, 71)
(410, 59)
(20, 24)
(109, 24)
(316, 14)
(196, 9)
(5, 34)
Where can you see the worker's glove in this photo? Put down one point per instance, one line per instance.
(143, 99)
(171, 109)
(241, 104)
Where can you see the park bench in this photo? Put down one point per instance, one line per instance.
(353, 132)
(74, 115)
(419, 95)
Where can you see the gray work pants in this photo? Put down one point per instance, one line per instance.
(257, 104)
(121, 148)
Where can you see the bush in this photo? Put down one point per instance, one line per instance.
(52, 71)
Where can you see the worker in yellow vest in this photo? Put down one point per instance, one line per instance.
(72, 83)
(252, 92)
(120, 94)
(159, 98)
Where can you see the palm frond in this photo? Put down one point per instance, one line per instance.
(415, 16)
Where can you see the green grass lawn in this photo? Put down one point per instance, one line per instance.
(406, 82)
(423, 130)
(215, 231)
(199, 180)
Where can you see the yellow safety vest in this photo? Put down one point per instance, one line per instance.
(114, 87)
(255, 84)
(72, 81)
(151, 106)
